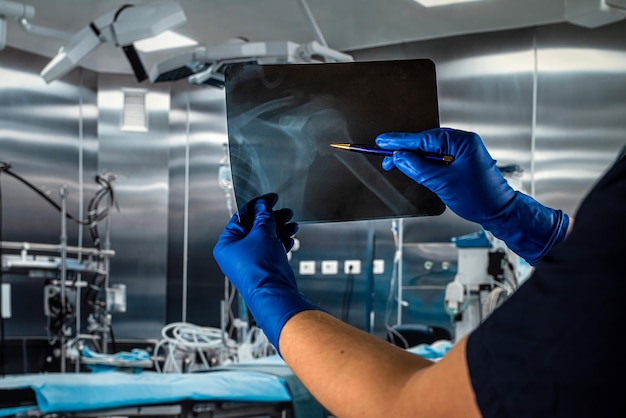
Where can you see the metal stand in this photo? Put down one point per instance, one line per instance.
(42, 265)
(106, 316)
(398, 260)
(76, 259)
(63, 194)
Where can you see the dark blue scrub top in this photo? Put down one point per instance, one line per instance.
(554, 348)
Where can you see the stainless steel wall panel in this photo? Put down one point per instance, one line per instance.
(140, 162)
(47, 133)
(198, 208)
(581, 109)
(177, 207)
(208, 211)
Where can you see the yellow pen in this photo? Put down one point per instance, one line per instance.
(370, 149)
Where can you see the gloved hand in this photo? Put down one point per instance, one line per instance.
(252, 253)
(473, 188)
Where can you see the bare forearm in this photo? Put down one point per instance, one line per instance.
(571, 225)
(349, 371)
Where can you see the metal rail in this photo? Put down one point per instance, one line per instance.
(58, 248)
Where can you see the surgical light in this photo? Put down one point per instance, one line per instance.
(166, 40)
(122, 27)
(205, 65)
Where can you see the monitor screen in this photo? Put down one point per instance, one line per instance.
(282, 119)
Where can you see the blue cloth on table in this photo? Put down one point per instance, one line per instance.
(115, 389)
(135, 360)
(304, 405)
(434, 351)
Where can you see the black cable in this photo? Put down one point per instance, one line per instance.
(94, 215)
(6, 167)
(92, 291)
(131, 53)
(91, 216)
(113, 343)
(92, 209)
(61, 311)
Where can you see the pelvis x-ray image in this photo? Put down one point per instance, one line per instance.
(283, 118)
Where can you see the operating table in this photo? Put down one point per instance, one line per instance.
(260, 388)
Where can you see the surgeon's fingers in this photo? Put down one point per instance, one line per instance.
(247, 213)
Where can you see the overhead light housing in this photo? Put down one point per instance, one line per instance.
(205, 65)
(436, 3)
(166, 40)
(121, 27)
(12, 9)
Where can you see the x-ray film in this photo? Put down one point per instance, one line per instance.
(283, 118)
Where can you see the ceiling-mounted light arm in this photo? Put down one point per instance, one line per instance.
(78, 47)
(205, 65)
(316, 29)
(203, 76)
(129, 50)
(312, 49)
(15, 10)
(27, 26)
(122, 27)
(43, 31)
(213, 74)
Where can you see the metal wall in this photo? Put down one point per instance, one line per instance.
(198, 207)
(139, 231)
(48, 135)
(547, 98)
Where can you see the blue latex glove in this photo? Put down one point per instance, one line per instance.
(473, 188)
(252, 253)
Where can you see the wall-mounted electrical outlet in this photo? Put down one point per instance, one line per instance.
(379, 266)
(352, 267)
(306, 268)
(330, 267)
(6, 300)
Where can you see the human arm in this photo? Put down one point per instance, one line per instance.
(355, 374)
(352, 373)
(473, 188)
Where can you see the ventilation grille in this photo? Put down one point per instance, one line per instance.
(134, 116)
